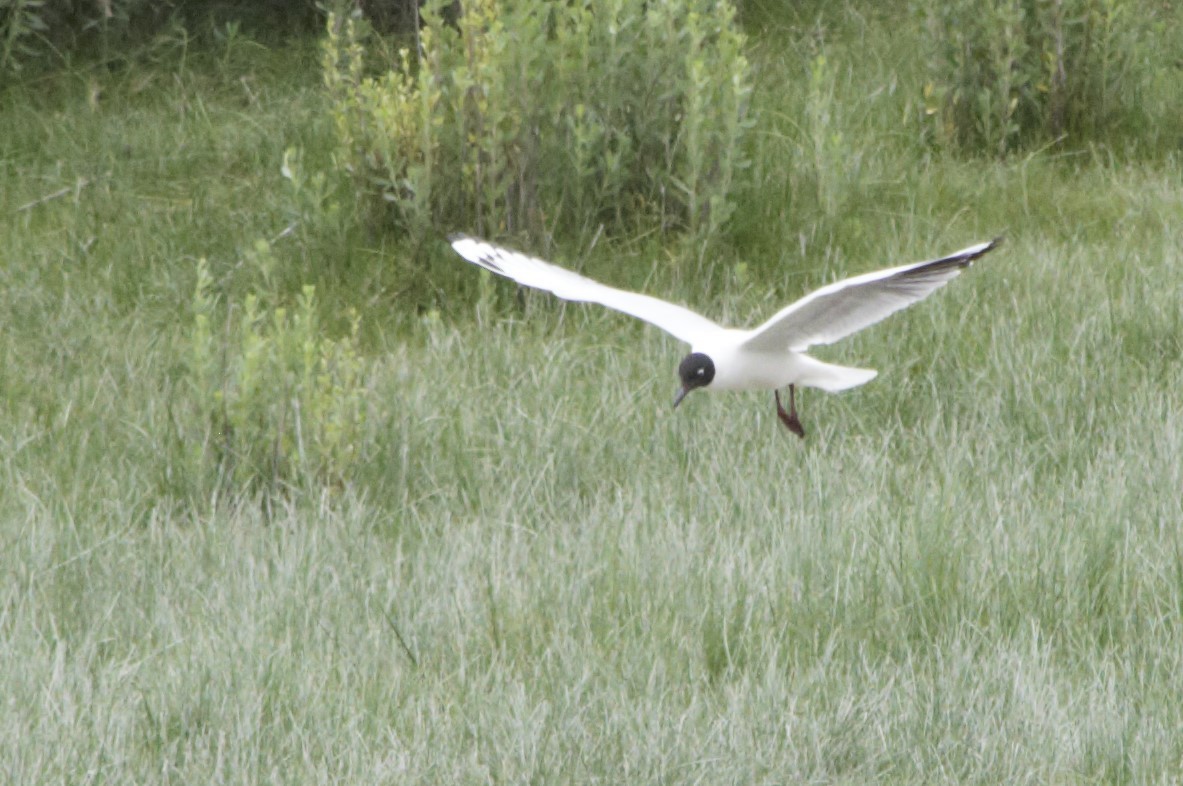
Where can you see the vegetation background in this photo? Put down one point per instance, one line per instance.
(289, 493)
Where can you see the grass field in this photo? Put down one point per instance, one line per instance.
(533, 571)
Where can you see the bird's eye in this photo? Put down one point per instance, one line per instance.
(700, 372)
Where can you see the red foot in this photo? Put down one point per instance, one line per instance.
(789, 418)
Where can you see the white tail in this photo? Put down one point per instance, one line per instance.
(832, 378)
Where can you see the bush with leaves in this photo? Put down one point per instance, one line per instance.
(278, 404)
(547, 116)
(1012, 72)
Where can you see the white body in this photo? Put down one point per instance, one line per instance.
(770, 369)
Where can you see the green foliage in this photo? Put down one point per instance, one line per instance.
(278, 404)
(548, 116)
(39, 32)
(20, 22)
(1013, 72)
(824, 155)
(314, 205)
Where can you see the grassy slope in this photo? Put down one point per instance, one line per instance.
(970, 571)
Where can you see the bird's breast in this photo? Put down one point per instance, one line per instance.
(737, 369)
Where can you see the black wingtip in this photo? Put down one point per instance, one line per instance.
(986, 249)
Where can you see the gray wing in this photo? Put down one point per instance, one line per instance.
(844, 307)
(678, 321)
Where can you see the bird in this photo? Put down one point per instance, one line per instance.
(770, 356)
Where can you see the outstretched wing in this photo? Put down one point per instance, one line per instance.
(678, 321)
(844, 307)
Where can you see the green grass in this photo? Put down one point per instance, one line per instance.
(971, 571)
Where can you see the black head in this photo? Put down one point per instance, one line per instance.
(696, 371)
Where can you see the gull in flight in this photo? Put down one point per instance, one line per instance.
(768, 357)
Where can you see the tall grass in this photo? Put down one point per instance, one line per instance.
(970, 571)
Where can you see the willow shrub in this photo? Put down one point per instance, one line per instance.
(277, 404)
(1009, 73)
(528, 116)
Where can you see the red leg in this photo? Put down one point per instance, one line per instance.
(792, 423)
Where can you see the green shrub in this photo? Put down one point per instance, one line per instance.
(1011, 72)
(548, 116)
(277, 403)
(824, 155)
